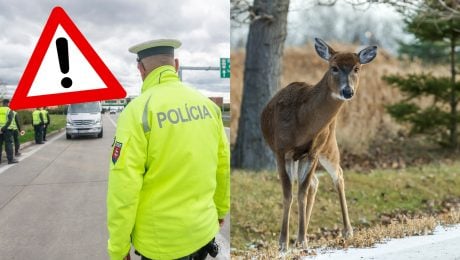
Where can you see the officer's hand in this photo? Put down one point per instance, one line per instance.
(22, 132)
(221, 222)
(128, 257)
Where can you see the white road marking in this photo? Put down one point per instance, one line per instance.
(34, 149)
(113, 122)
(227, 131)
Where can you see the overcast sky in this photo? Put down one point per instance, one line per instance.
(111, 27)
(338, 23)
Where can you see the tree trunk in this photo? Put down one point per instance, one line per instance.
(453, 97)
(264, 51)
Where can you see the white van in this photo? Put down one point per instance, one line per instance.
(84, 119)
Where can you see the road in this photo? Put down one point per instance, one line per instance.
(53, 203)
(443, 244)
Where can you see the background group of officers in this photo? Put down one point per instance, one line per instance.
(40, 121)
(10, 129)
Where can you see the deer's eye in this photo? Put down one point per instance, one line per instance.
(356, 69)
(334, 69)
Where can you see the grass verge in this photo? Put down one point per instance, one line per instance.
(382, 203)
(57, 122)
(363, 237)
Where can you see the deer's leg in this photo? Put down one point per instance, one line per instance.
(284, 169)
(306, 197)
(331, 164)
(348, 231)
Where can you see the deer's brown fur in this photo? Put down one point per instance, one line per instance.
(299, 125)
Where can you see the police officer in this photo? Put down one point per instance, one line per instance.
(46, 121)
(6, 117)
(15, 129)
(37, 122)
(168, 187)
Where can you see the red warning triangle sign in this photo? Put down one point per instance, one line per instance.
(59, 74)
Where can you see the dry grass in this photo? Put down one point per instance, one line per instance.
(362, 238)
(382, 204)
(361, 119)
(450, 218)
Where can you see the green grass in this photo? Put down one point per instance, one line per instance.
(257, 200)
(57, 122)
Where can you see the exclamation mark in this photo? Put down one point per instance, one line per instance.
(63, 55)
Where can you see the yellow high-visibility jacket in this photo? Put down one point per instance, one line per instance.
(44, 116)
(37, 118)
(169, 179)
(4, 111)
(13, 125)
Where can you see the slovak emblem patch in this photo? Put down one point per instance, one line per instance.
(116, 151)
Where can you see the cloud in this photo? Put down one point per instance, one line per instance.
(112, 26)
(341, 23)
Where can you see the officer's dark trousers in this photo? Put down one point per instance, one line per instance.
(201, 254)
(7, 138)
(45, 127)
(183, 258)
(16, 140)
(38, 133)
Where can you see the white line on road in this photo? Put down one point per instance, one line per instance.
(113, 122)
(34, 149)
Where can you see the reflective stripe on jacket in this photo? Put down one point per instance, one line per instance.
(169, 179)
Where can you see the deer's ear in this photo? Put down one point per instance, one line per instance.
(324, 51)
(367, 55)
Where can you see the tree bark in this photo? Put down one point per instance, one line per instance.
(264, 51)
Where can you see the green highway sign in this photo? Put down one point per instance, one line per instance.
(225, 67)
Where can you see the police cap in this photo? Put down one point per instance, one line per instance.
(155, 47)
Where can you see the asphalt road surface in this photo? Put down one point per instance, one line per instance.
(53, 203)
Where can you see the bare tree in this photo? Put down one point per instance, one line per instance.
(264, 51)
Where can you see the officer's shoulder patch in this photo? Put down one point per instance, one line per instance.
(116, 151)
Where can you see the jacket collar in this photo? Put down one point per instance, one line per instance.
(160, 75)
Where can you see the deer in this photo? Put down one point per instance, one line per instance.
(299, 126)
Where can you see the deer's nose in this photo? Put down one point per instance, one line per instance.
(347, 92)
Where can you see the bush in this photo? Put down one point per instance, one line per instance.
(24, 117)
(60, 110)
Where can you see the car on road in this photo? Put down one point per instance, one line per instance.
(113, 112)
(84, 119)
